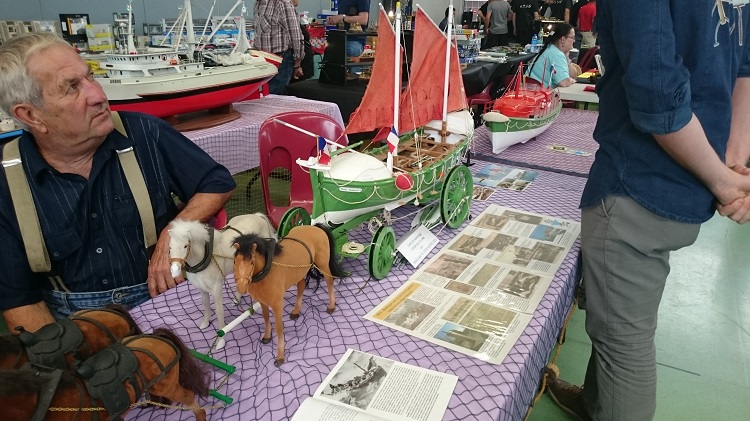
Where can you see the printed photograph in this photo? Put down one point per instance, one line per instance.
(469, 244)
(409, 314)
(460, 287)
(547, 233)
(461, 336)
(491, 221)
(448, 266)
(481, 194)
(358, 379)
(523, 217)
(520, 284)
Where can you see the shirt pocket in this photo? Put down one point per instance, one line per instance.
(126, 209)
(62, 244)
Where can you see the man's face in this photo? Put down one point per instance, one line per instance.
(74, 106)
(295, 3)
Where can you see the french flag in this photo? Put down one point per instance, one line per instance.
(392, 140)
(324, 151)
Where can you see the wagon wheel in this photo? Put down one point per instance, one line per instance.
(293, 217)
(381, 252)
(455, 197)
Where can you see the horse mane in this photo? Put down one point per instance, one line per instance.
(10, 345)
(185, 230)
(246, 242)
(193, 376)
(270, 224)
(27, 380)
(122, 311)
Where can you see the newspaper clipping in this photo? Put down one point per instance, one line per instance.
(477, 295)
(365, 387)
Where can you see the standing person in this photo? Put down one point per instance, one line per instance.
(559, 9)
(444, 23)
(672, 149)
(353, 11)
(482, 13)
(525, 18)
(574, 20)
(277, 31)
(586, 24)
(498, 14)
(71, 159)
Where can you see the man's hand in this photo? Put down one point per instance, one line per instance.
(335, 19)
(739, 209)
(298, 73)
(159, 276)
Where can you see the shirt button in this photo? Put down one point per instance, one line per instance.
(105, 281)
(55, 254)
(99, 250)
(94, 215)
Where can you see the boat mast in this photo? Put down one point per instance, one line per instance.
(448, 45)
(218, 26)
(190, 30)
(396, 83)
(203, 41)
(131, 44)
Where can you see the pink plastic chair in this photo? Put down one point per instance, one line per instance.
(280, 146)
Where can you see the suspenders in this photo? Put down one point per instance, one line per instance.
(28, 220)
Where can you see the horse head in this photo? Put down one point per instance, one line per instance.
(244, 265)
(182, 235)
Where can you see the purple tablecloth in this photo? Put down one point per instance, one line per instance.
(573, 128)
(316, 340)
(235, 144)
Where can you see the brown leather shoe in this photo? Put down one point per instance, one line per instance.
(569, 397)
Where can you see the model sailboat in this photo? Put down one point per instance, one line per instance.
(422, 160)
(524, 111)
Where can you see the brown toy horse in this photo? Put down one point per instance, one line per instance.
(266, 269)
(100, 328)
(165, 369)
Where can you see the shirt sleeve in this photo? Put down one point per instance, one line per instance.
(656, 82)
(295, 33)
(190, 169)
(560, 64)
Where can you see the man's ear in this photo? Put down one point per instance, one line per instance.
(30, 116)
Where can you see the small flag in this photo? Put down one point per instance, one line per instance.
(392, 140)
(554, 72)
(324, 151)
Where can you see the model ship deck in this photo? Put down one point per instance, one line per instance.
(424, 150)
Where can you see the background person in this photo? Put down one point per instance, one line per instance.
(586, 24)
(88, 216)
(525, 20)
(552, 66)
(277, 31)
(498, 15)
(672, 148)
(353, 11)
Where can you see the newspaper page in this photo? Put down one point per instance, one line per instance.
(477, 295)
(458, 322)
(365, 387)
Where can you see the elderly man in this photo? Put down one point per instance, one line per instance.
(86, 205)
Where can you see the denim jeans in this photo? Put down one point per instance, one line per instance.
(355, 48)
(278, 84)
(63, 304)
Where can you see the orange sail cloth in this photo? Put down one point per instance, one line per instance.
(422, 101)
(376, 109)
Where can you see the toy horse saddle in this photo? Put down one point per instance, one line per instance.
(104, 375)
(48, 346)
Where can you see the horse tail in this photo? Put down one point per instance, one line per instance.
(334, 263)
(122, 311)
(193, 375)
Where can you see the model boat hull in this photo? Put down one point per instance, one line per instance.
(336, 201)
(519, 130)
(181, 93)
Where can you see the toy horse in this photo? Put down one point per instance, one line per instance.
(266, 269)
(84, 333)
(206, 254)
(115, 378)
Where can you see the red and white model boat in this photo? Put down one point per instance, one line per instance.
(160, 83)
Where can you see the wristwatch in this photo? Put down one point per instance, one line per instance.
(343, 18)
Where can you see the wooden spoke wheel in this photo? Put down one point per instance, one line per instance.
(455, 197)
(381, 252)
(292, 218)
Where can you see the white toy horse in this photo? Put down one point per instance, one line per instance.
(207, 256)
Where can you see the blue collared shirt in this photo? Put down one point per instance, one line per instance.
(92, 228)
(550, 67)
(664, 61)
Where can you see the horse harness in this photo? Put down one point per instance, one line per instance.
(208, 252)
(269, 258)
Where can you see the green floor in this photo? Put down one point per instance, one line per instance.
(703, 338)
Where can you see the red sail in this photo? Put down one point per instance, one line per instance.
(376, 109)
(422, 101)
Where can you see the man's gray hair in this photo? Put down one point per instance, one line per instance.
(16, 85)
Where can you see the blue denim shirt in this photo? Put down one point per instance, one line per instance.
(91, 227)
(664, 61)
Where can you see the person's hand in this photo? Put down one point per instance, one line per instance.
(159, 276)
(298, 73)
(739, 209)
(335, 19)
(515, 33)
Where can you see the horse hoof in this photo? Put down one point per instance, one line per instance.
(265, 341)
(294, 316)
(278, 362)
(331, 310)
(204, 325)
(220, 343)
